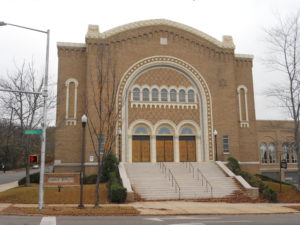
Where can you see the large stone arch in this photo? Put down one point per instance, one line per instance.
(185, 69)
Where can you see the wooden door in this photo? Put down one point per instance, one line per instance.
(164, 149)
(140, 148)
(187, 148)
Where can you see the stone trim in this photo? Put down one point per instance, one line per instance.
(165, 105)
(93, 31)
(71, 120)
(70, 45)
(244, 122)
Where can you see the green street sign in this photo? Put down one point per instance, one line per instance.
(33, 131)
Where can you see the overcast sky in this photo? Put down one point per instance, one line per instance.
(68, 20)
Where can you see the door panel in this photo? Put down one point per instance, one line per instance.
(160, 144)
(140, 148)
(187, 148)
(164, 149)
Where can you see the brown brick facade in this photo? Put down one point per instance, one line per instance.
(162, 53)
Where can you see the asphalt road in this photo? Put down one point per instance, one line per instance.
(10, 176)
(279, 219)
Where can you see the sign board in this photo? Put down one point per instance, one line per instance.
(33, 131)
(283, 164)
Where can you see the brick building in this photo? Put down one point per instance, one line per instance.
(176, 87)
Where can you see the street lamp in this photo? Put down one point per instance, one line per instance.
(44, 93)
(83, 122)
(119, 143)
(216, 146)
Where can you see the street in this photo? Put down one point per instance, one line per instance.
(274, 219)
(10, 176)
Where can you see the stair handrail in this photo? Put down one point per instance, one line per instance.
(163, 167)
(207, 183)
(174, 182)
(190, 166)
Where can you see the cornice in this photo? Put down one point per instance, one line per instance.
(244, 56)
(93, 31)
(70, 45)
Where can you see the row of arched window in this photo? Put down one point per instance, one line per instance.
(164, 130)
(269, 155)
(163, 95)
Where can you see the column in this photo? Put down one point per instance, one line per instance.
(153, 148)
(199, 150)
(176, 148)
(129, 150)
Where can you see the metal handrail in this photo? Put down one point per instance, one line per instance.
(174, 182)
(170, 177)
(203, 178)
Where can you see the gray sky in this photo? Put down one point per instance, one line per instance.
(68, 20)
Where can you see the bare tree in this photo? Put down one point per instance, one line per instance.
(102, 124)
(284, 45)
(25, 109)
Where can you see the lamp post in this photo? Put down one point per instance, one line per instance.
(119, 143)
(44, 93)
(216, 146)
(83, 122)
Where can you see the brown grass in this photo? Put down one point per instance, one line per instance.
(288, 193)
(73, 211)
(67, 195)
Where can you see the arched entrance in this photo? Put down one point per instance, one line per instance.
(141, 144)
(164, 144)
(187, 144)
(197, 81)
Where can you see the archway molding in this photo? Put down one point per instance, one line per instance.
(193, 75)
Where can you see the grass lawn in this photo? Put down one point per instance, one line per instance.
(73, 211)
(288, 193)
(67, 195)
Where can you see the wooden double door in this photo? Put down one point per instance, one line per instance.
(187, 146)
(164, 149)
(140, 148)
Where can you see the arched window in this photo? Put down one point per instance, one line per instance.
(145, 94)
(136, 94)
(182, 95)
(173, 95)
(164, 95)
(186, 131)
(272, 152)
(263, 152)
(293, 153)
(140, 130)
(164, 131)
(154, 94)
(285, 151)
(191, 96)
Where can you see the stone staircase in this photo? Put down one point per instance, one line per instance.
(169, 180)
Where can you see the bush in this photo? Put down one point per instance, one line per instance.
(266, 178)
(233, 165)
(117, 192)
(255, 181)
(34, 178)
(110, 164)
(90, 179)
(269, 194)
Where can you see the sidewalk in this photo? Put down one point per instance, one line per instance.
(206, 208)
(189, 208)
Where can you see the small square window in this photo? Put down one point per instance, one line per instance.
(163, 41)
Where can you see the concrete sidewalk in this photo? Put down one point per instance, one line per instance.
(190, 208)
(206, 208)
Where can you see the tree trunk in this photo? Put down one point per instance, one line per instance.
(97, 193)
